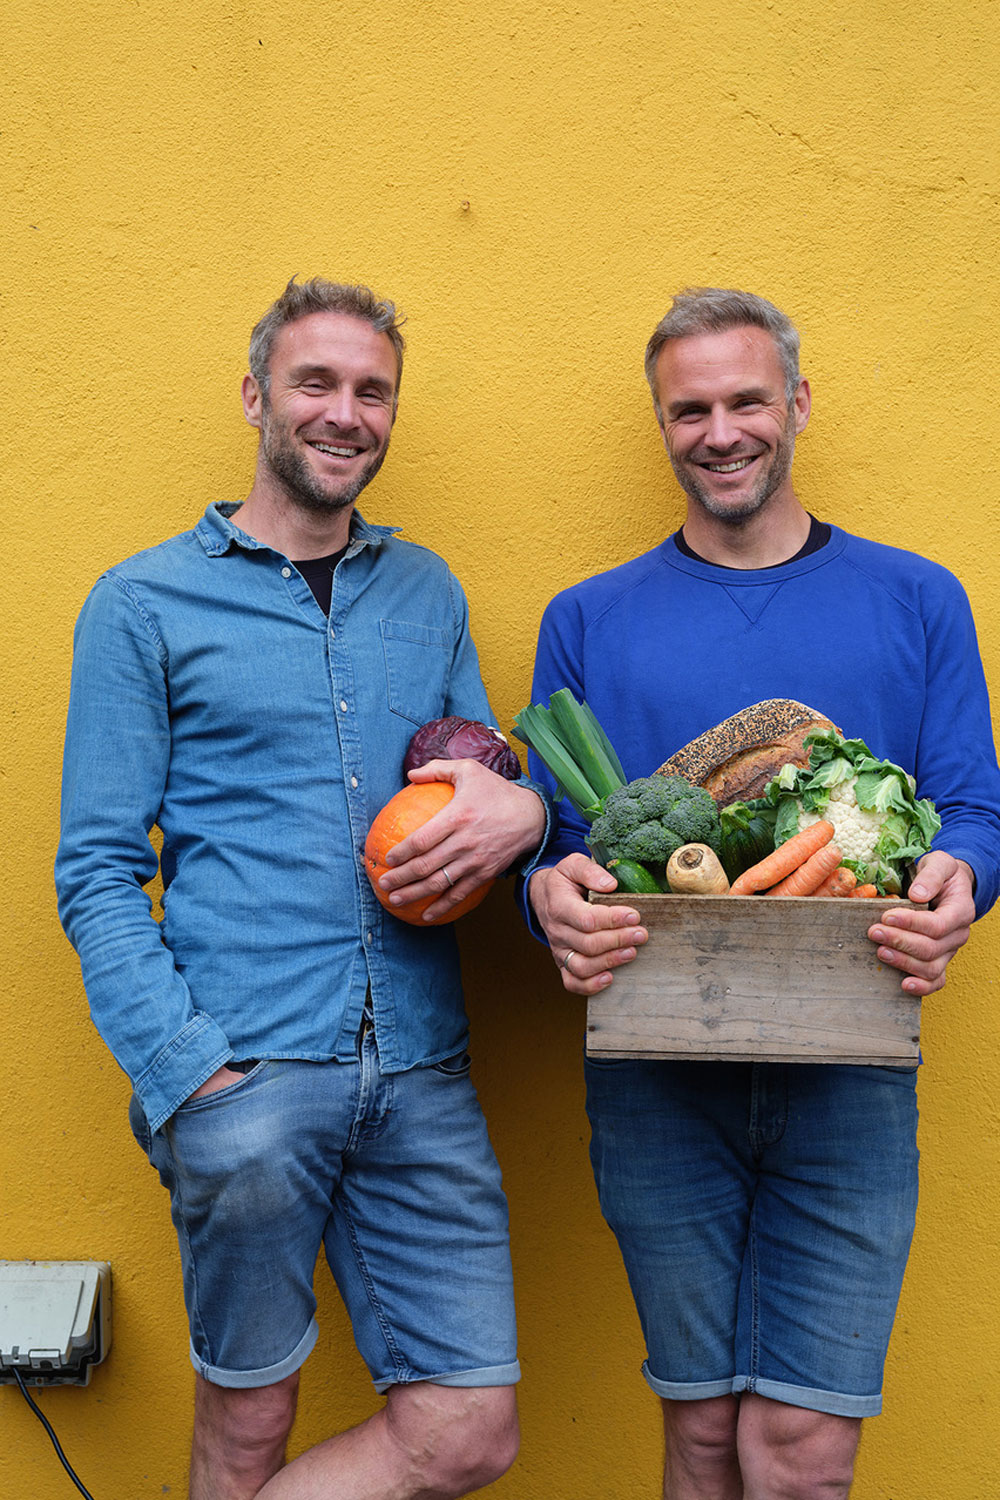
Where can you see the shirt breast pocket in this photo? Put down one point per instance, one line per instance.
(417, 668)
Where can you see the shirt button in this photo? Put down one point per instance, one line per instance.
(343, 706)
(368, 937)
(286, 572)
(354, 782)
(333, 635)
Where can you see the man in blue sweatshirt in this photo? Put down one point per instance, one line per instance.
(764, 1211)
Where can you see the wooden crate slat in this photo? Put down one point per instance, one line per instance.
(759, 978)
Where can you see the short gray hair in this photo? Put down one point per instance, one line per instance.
(299, 299)
(709, 309)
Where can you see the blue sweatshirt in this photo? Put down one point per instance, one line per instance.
(879, 640)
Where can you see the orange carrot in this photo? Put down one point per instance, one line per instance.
(809, 876)
(865, 890)
(783, 860)
(840, 883)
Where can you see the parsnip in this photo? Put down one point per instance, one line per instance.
(694, 870)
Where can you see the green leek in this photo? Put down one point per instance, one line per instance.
(570, 742)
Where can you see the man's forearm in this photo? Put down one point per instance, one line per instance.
(140, 1004)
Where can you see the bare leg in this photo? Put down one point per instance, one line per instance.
(701, 1452)
(789, 1453)
(239, 1438)
(429, 1442)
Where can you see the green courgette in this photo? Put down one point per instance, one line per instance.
(635, 879)
(747, 835)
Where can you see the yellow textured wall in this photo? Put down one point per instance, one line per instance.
(530, 181)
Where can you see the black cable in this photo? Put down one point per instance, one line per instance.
(48, 1428)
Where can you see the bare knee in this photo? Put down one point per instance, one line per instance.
(708, 1426)
(701, 1451)
(455, 1440)
(245, 1430)
(790, 1453)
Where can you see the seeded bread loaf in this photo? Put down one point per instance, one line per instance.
(735, 760)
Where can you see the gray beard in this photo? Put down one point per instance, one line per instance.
(731, 515)
(736, 515)
(301, 485)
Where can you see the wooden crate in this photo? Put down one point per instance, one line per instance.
(779, 979)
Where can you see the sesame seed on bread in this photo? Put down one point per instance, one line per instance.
(735, 760)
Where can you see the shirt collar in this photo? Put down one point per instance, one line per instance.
(217, 531)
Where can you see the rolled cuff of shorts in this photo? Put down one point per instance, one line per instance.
(270, 1375)
(489, 1375)
(835, 1403)
(694, 1390)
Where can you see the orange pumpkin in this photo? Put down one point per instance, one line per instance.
(401, 815)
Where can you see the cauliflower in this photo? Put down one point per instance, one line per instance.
(855, 832)
(878, 822)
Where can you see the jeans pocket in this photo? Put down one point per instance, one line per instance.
(139, 1124)
(219, 1096)
(454, 1067)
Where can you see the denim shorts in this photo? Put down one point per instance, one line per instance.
(764, 1213)
(392, 1174)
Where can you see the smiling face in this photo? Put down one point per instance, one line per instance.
(728, 428)
(326, 419)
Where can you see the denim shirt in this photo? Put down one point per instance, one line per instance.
(211, 697)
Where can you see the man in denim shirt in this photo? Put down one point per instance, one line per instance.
(298, 1054)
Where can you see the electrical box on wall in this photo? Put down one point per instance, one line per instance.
(55, 1320)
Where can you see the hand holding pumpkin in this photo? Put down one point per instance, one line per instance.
(456, 816)
(409, 810)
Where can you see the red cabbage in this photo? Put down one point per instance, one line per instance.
(462, 739)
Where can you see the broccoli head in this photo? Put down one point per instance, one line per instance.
(651, 817)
